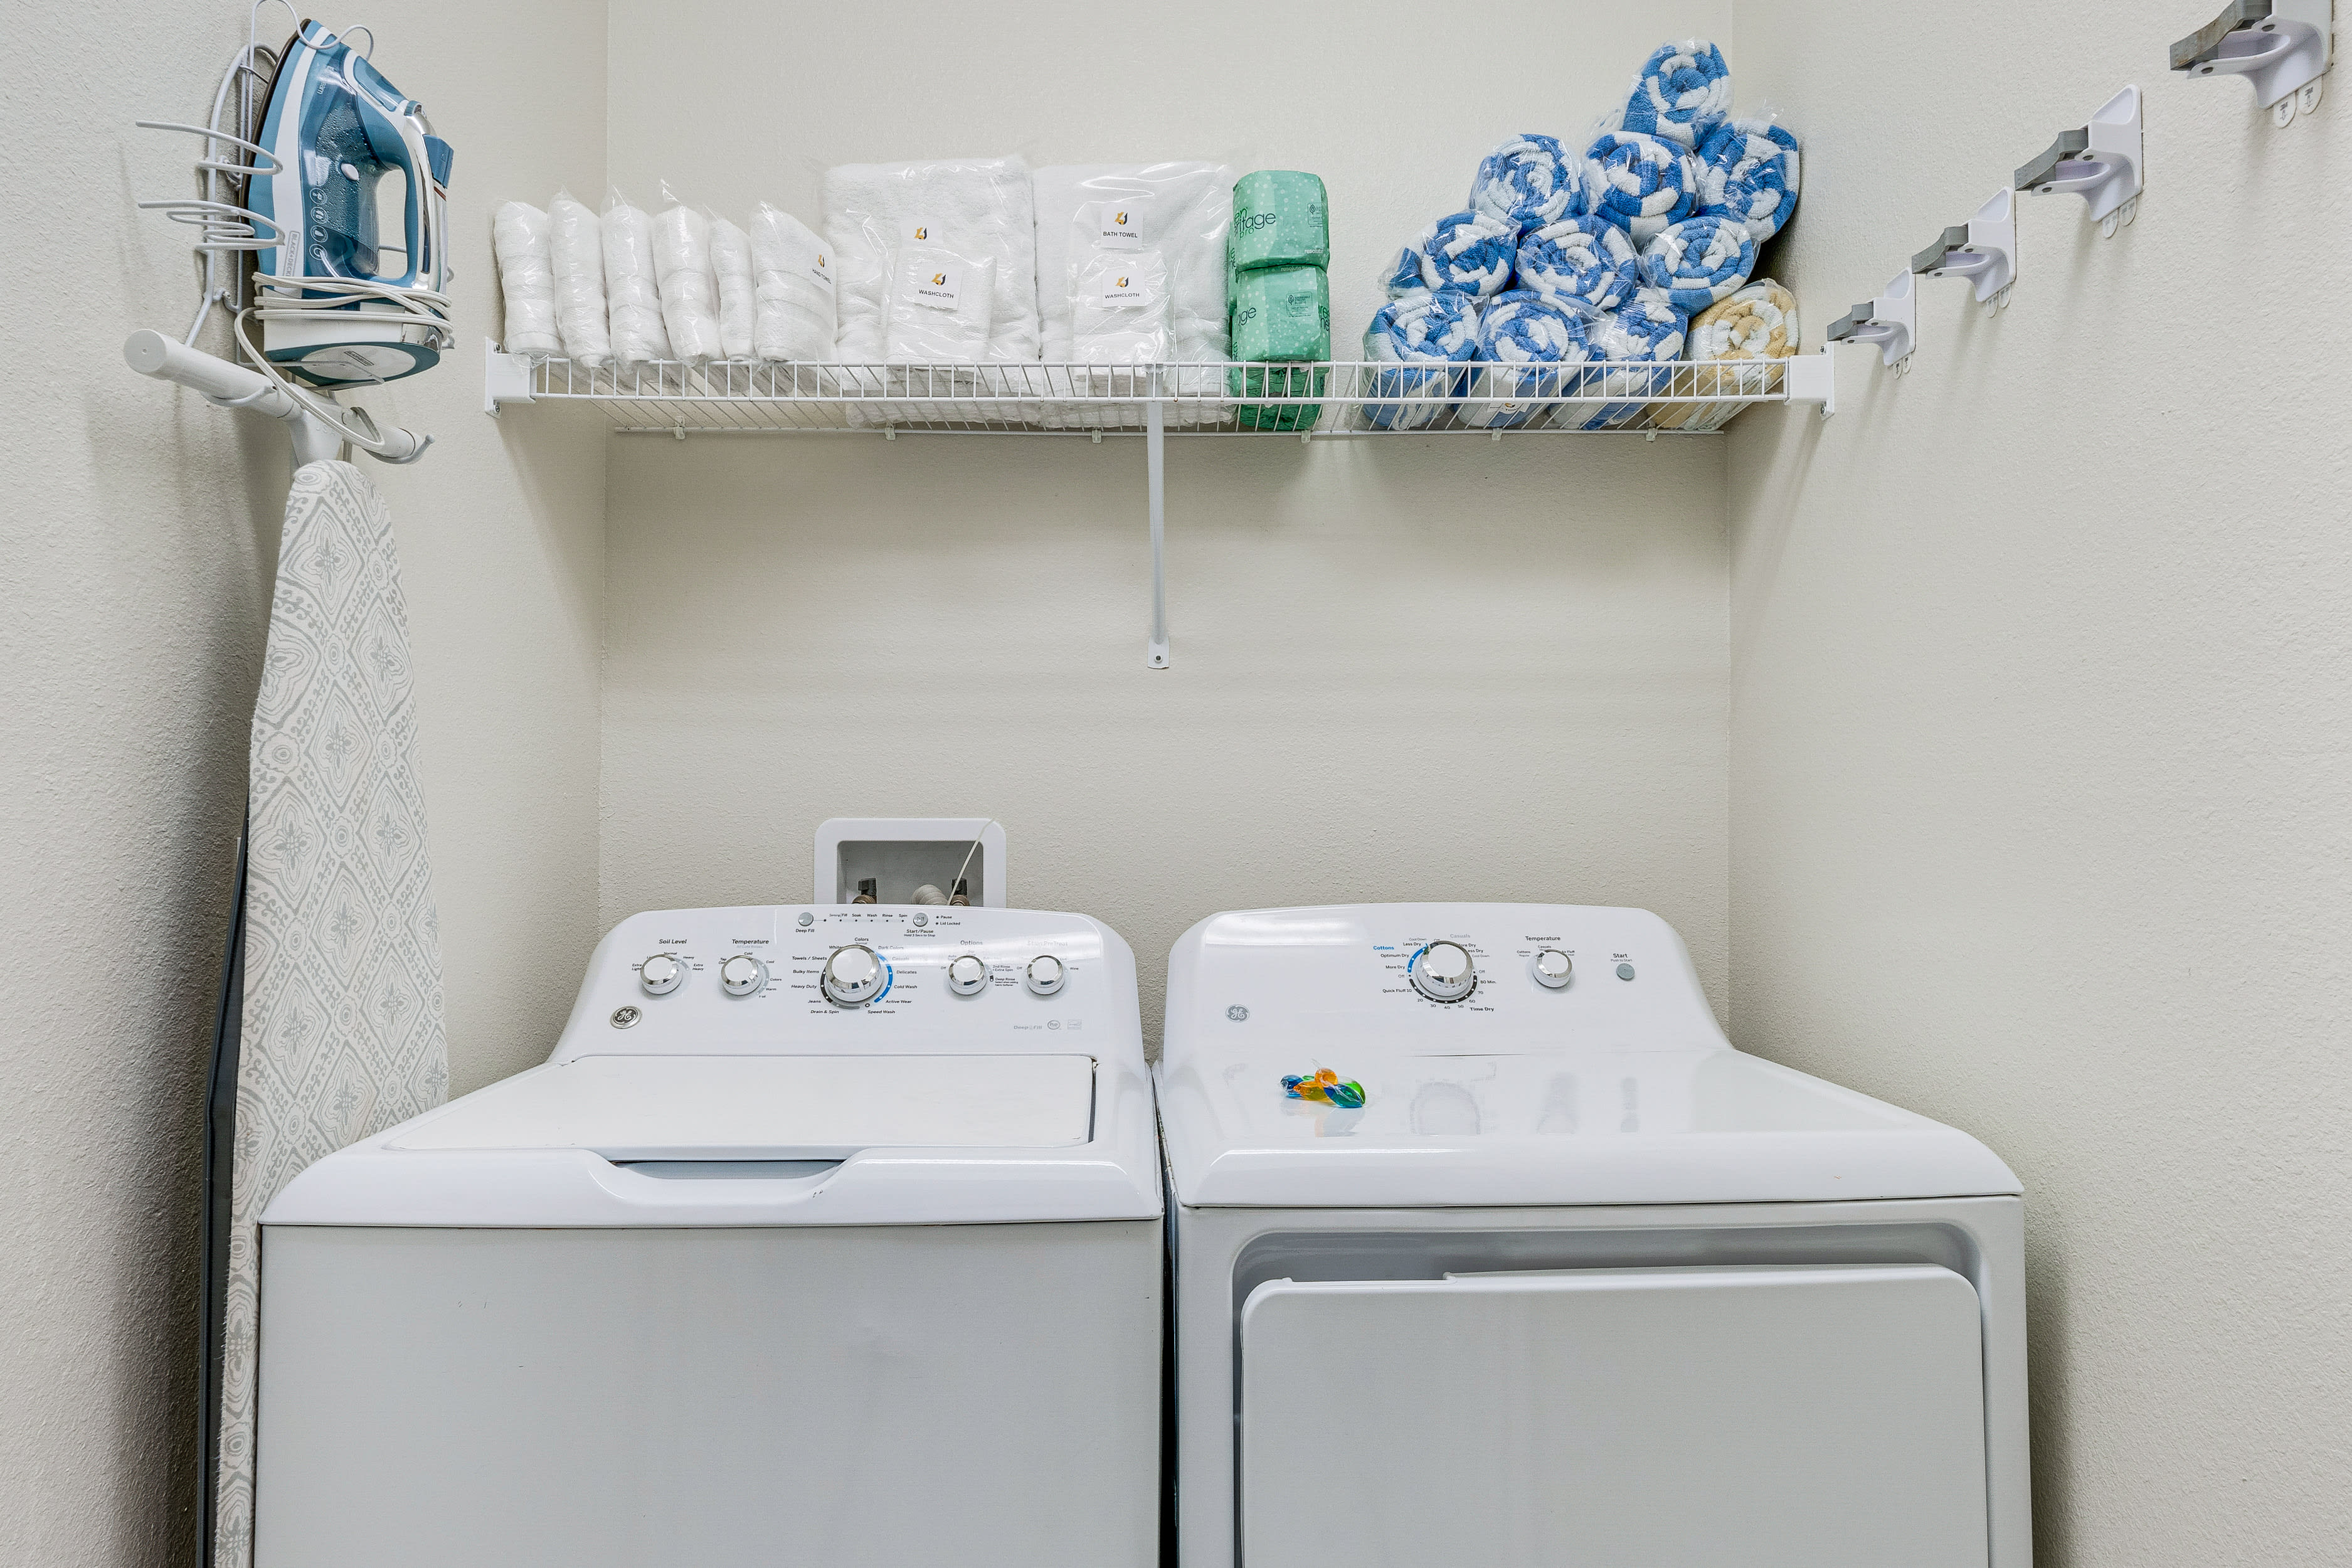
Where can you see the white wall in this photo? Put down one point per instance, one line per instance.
(1427, 668)
(2042, 757)
(137, 547)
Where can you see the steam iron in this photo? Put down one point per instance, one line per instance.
(352, 188)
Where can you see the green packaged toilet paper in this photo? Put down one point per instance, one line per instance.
(1280, 219)
(1277, 381)
(1282, 313)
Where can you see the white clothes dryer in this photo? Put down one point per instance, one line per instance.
(825, 1236)
(1533, 1267)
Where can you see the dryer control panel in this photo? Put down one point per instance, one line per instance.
(888, 977)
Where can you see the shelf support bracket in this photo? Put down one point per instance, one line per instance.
(2100, 162)
(1890, 323)
(2280, 46)
(1982, 251)
(1811, 378)
(1155, 451)
(506, 378)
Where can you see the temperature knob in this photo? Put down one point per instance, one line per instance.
(853, 976)
(1552, 968)
(1045, 974)
(741, 975)
(1443, 971)
(966, 974)
(661, 974)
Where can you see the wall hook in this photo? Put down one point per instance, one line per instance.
(2100, 163)
(1891, 322)
(2281, 47)
(1982, 251)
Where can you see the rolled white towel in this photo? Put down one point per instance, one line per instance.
(689, 288)
(731, 261)
(576, 250)
(978, 209)
(631, 290)
(521, 236)
(792, 290)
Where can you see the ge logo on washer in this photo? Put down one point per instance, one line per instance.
(1238, 1014)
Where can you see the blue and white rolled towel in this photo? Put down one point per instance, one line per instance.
(1529, 182)
(1585, 261)
(1428, 337)
(1640, 183)
(1683, 93)
(1528, 352)
(1472, 252)
(1699, 262)
(1748, 170)
(1645, 330)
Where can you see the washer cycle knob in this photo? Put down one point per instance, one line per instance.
(1552, 968)
(743, 974)
(1443, 971)
(966, 974)
(853, 976)
(661, 974)
(1045, 974)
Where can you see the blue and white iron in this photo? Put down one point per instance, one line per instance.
(353, 190)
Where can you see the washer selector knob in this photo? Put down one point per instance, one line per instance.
(741, 975)
(966, 974)
(1045, 974)
(853, 976)
(1443, 971)
(1552, 968)
(661, 974)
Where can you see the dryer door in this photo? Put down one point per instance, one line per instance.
(1769, 1416)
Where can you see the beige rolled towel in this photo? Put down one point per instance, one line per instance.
(1758, 321)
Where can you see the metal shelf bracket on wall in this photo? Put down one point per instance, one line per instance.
(2281, 47)
(1890, 322)
(1982, 251)
(2100, 162)
(1155, 449)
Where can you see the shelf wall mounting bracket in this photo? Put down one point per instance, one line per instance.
(1812, 378)
(506, 378)
(1890, 323)
(2100, 163)
(1982, 251)
(2283, 47)
(1155, 452)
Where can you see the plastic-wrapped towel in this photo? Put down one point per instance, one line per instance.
(1119, 306)
(792, 290)
(689, 288)
(1527, 183)
(1748, 170)
(521, 236)
(1758, 321)
(1645, 329)
(1640, 183)
(1472, 252)
(940, 309)
(730, 259)
(1699, 262)
(1529, 349)
(1428, 336)
(631, 292)
(1580, 261)
(1683, 93)
(975, 209)
(577, 252)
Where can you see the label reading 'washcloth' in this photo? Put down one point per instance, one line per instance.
(1280, 219)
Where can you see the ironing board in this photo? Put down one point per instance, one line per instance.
(338, 1031)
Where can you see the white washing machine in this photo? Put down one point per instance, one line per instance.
(1576, 1283)
(825, 1236)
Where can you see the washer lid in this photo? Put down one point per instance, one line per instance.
(770, 1108)
(1560, 1128)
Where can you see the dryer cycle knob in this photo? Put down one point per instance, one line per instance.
(1552, 968)
(1045, 974)
(966, 974)
(853, 976)
(1443, 971)
(661, 974)
(741, 975)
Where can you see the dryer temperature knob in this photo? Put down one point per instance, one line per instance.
(1552, 968)
(1045, 974)
(966, 974)
(661, 974)
(1443, 971)
(853, 976)
(741, 975)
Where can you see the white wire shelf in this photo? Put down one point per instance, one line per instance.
(1329, 399)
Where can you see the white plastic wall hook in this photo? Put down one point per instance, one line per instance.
(506, 378)
(2281, 47)
(2101, 162)
(1982, 251)
(1891, 322)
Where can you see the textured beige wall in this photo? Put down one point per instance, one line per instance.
(1417, 669)
(137, 546)
(2042, 756)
